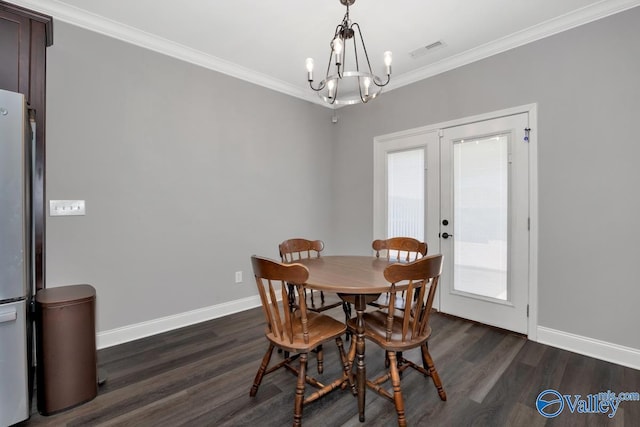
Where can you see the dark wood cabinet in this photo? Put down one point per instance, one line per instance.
(24, 38)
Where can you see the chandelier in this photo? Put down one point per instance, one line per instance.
(341, 86)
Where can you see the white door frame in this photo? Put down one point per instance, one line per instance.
(381, 145)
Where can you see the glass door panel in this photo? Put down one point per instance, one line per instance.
(480, 216)
(405, 193)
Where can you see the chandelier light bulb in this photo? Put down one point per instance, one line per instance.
(388, 57)
(387, 61)
(331, 84)
(367, 83)
(309, 64)
(337, 45)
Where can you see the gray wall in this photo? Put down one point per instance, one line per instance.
(586, 82)
(186, 173)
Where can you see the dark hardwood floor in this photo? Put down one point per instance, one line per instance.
(201, 376)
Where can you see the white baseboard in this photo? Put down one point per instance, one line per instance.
(163, 324)
(603, 350)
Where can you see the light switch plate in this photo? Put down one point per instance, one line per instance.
(66, 207)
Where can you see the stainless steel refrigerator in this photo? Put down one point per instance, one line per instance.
(16, 259)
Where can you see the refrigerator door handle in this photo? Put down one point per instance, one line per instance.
(8, 316)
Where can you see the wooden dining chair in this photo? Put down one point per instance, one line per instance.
(295, 249)
(397, 330)
(400, 248)
(297, 332)
(404, 249)
(292, 250)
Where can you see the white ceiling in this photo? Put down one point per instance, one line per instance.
(266, 42)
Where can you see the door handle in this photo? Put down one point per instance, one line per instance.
(446, 235)
(8, 316)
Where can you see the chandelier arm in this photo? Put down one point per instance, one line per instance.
(329, 62)
(362, 98)
(382, 84)
(319, 88)
(355, 54)
(335, 94)
(342, 61)
(364, 47)
(377, 81)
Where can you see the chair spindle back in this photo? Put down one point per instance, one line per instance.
(270, 275)
(401, 248)
(295, 249)
(423, 276)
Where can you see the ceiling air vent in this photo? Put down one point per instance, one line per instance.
(426, 49)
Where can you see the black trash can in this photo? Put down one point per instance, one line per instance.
(65, 347)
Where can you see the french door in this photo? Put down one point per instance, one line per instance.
(464, 189)
(484, 210)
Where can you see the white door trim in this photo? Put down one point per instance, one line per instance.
(379, 183)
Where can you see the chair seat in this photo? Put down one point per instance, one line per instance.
(375, 327)
(321, 328)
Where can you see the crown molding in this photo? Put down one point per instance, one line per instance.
(545, 29)
(101, 25)
(105, 26)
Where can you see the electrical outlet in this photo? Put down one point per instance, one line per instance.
(238, 276)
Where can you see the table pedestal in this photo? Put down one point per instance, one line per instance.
(360, 302)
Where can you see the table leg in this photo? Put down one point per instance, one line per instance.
(361, 378)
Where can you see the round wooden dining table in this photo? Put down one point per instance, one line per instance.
(358, 280)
